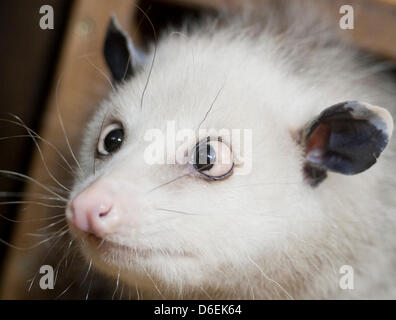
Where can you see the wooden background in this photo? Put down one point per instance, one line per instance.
(67, 77)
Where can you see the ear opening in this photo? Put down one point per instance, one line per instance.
(346, 138)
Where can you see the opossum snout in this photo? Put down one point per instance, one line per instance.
(93, 211)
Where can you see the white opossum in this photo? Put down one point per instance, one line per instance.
(311, 218)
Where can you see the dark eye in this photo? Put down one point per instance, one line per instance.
(110, 139)
(213, 159)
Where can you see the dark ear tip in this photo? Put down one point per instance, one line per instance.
(113, 18)
(114, 25)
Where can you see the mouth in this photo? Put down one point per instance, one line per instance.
(104, 246)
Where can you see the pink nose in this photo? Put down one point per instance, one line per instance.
(92, 211)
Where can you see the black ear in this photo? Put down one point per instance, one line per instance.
(346, 138)
(122, 57)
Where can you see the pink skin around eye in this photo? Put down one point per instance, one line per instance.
(224, 159)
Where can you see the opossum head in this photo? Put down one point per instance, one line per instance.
(208, 162)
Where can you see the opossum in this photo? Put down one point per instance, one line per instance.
(300, 204)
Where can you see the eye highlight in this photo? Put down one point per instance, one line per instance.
(213, 159)
(110, 139)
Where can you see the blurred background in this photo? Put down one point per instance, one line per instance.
(54, 76)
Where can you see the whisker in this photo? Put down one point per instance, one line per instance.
(37, 136)
(68, 248)
(43, 260)
(89, 286)
(269, 279)
(47, 234)
(122, 291)
(64, 257)
(67, 289)
(86, 274)
(37, 244)
(71, 262)
(86, 57)
(118, 282)
(156, 287)
(154, 55)
(206, 293)
(169, 182)
(17, 174)
(100, 244)
(52, 224)
(211, 106)
(30, 220)
(39, 196)
(42, 157)
(32, 202)
(137, 292)
(177, 211)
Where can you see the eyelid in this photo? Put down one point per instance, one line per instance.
(110, 127)
(215, 178)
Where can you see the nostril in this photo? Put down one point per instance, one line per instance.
(104, 213)
(103, 210)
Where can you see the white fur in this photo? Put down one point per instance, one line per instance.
(263, 235)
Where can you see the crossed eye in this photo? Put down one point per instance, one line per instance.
(213, 159)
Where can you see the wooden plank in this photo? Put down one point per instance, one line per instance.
(80, 86)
